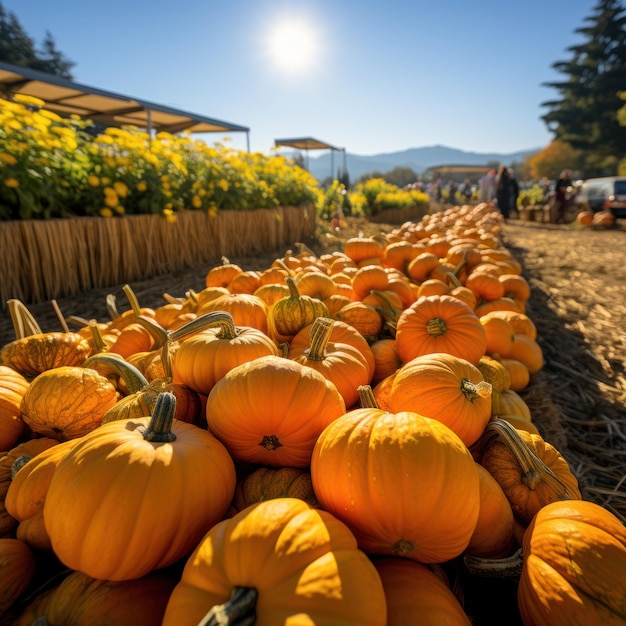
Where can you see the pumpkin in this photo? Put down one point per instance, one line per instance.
(526, 350)
(499, 333)
(292, 313)
(519, 423)
(245, 282)
(266, 483)
(399, 254)
(494, 535)
(81, 600)
(420, 268)
(17, 569)
(363, 317)
(531, 472)
(368, 278)
(67, 402)
(315, 285)
(386, 359)
(32, 447)
(312, 573)
(509, 402)
(246, 309)
(28, 489)
(440, 324)
(206, 357)
(515, 286)
(341, 363)
(485, 284)
(382, 474)
(148, 489)
(574, 569)
(446, 388)
(271, 410)
(221, 275)
(13, 386)
(271, 292)
(360, 248)
(416, 595)
(518, 374)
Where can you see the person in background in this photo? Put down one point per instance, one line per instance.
(503, 191)
(487, 186)
(466, 190)
(514, 189)
(561, 197)
(451, 192)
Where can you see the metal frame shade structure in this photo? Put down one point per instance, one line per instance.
(459, 169)
(310, 143)
(66, 98)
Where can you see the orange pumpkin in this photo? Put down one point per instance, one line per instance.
(13, 386)
(416, 595)
(17, 569)
(386, 359)
(440, 324)
(67, 402)
(381, 473)
(118, 479)
(359, 248)
(363, 317)
(313, 572)
(574, 568)
(245, 309)
(270, 411)
(221, 275)
(445, 388)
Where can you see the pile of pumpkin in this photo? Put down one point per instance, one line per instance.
(333, 440)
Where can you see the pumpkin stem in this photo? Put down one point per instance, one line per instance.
(98, 340)
(112, 307)
(320, 334)
(132, 299)
(453, 280)
(403, 547)
(160, 428)
(270, 442)
(293, 289)
(366, 397)
(134, 379)
(216, 318)
(19, 463)
(239, 610)
(172, 299)
(24, 324)
(57, 311)
(436, 327)
(473, 391)
(534, 470)
(508, 567)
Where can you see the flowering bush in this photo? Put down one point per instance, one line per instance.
(52, 167)
(376, 195)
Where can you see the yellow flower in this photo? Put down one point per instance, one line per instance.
(106, 212)
(169, 215)
(111, 200)
(93, 181)
(213, 211)
(120, 189)
(141, 186)
(21, 98)
(105, 180)
(196, 202)
(9, 159)
(12, 183)
(119, 209)
(223, 184)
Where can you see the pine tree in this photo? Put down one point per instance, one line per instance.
(586, 114)
(17, 48)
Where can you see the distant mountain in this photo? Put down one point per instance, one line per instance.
(418, 159)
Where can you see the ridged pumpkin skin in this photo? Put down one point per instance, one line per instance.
(81, 600)
(67, 402)
(266, 483)
(574, 569)
(405, 484)
(312, 571)
(446, 388)
(17, 568)
(35, 354)
(13, 386)
(416, 595)
(148, 502)
(440, 324)
(271, 411)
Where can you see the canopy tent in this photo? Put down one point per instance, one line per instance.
(65, 98)
(309, 143)
(466, 170)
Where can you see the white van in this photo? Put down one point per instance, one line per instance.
(604, 193)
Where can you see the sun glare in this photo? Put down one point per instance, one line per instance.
(293, 46)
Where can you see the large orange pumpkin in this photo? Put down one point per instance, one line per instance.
(17, 568)
(446, 388)
(271, 410)
(406, 485)
(440, 324)
(13, 386)
(574, 568)
(147, 489)
(312, 572)
(416, 595)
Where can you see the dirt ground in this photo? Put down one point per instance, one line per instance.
(578, 303)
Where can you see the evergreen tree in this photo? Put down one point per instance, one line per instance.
(17, 48)
(586, 114)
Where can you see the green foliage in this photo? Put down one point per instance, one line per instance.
(51, 167)
(17, 48)
(376, 195)
(585, 115)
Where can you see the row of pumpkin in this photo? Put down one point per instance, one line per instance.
(322, 442)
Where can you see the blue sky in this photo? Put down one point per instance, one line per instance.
(367, 75)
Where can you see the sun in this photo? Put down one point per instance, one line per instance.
(293, 45)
